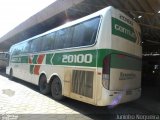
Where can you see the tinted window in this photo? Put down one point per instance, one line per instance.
(91, 27)
(60, 39)
(17, 49)
(36, 44)
(78, 35)
(20, 48)
(82, 34)
(48, 42)
(26, 46)
(85, 33)
(12, 50)
(69, 35)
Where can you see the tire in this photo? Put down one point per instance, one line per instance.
(56, 89)
(44, 87)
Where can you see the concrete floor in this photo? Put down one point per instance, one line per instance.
(24, 101)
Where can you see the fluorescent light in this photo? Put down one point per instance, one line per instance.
(158, 11)
(153, 71)
(139, 16)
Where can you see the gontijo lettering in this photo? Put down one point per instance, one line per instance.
(125, 31)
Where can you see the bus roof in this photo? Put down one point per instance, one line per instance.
(71, 23)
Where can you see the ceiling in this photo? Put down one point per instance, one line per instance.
(145, 12)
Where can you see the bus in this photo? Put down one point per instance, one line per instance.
(95, 59)
(4, 57)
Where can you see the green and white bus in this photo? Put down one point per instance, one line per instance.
(95, 59)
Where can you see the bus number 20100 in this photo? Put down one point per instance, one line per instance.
(80, 58)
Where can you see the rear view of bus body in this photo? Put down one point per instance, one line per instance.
(120, 41)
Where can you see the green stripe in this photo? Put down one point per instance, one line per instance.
(48, 58)
(34, 61)
(57, 59)
(130, 62)
(31, 69)
(24, 59)
(123, 30)
(19, 59)
(125, 62)
(101, 53)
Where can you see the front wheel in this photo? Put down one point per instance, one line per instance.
(56, 89)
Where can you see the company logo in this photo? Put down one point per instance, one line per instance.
(127, 76)
(125, 31)
(126, 20)
(16, 59)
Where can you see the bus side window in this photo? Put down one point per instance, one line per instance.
(13, 50)
(68, 39)
(71, 40)
(78, 35)
(85, 32)
(48, 41)
(36, 44)
(27, 45)
(91, 28)
(60, 39)
(18, 49)
(21, 48)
